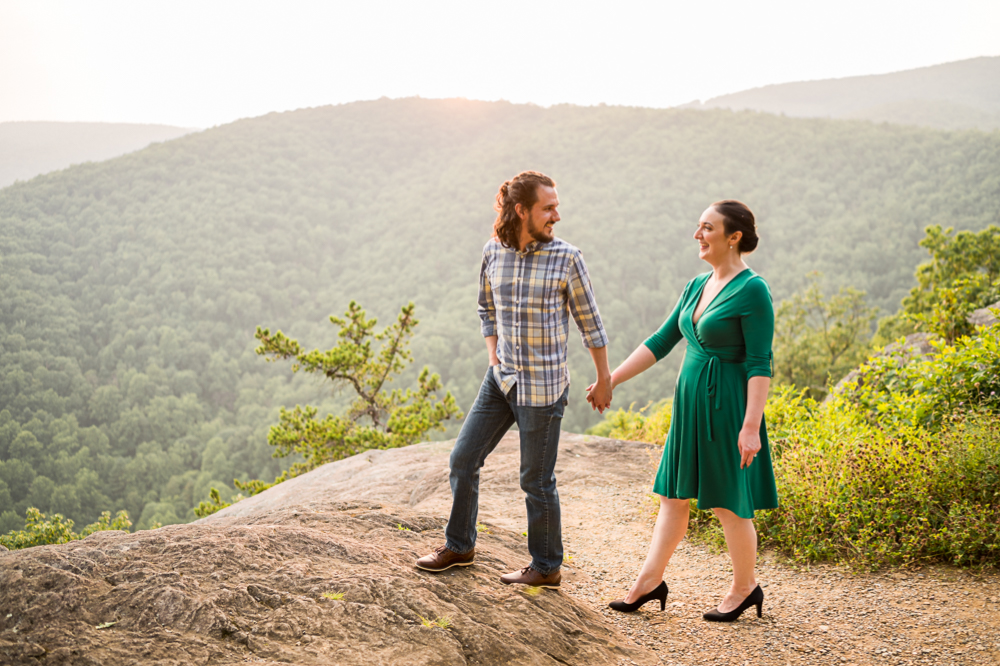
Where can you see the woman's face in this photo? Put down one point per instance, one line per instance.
(711, 236)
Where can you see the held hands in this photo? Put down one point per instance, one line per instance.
(599, 395)
(749, 443)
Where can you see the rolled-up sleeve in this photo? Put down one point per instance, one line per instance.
(583, 305)
(487, 311)
(757, 320)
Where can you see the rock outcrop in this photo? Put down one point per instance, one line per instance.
(915, 346)
(983, 316)
(318, 570)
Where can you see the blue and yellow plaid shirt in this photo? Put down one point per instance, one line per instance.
(525, 299)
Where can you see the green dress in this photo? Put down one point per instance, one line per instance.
(730, 344)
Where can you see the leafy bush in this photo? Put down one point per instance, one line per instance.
(649, 424)
(857, 491)
(40, 530)
(962, 275)
(963, 375)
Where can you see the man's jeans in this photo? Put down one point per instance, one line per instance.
(490, 418)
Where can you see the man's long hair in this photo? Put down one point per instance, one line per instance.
(521, 189)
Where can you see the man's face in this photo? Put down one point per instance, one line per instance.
(543, 215)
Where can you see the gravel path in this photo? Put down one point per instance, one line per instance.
(815, 615)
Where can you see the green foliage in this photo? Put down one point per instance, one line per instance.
(40, 530)
(649, 424)
(819, 339)
(963, 275)
(870, 495)
(377, 418)
(213, 504)
(130, 289)
(893, 388)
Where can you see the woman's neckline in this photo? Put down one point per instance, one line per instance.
(701, 292)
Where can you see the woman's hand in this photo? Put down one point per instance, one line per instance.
(602, 402)
(749, 443)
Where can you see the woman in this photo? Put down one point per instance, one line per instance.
(716, 450)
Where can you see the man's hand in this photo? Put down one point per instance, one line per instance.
(599, 394)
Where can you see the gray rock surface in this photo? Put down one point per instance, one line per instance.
(318, 570)
(983, 316)
(914, 346)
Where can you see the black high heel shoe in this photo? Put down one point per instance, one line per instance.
(659, 592)
(756, 598)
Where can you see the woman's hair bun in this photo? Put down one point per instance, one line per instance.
(737, 216)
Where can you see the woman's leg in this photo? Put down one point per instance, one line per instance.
(741, 539)
(671, 524)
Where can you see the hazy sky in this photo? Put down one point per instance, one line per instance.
(204, 63)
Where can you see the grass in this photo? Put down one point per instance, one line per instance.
(440, 623)
(333, 596)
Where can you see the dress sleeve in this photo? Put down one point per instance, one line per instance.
(757, 320)
(669, 333)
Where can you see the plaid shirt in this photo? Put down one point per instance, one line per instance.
(523, 299)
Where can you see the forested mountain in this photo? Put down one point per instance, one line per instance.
(130, 289)
(30, 148)
(955, 95)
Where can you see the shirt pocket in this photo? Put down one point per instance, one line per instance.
(547, 289)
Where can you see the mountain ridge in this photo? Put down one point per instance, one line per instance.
(31, 148)
(969, 89)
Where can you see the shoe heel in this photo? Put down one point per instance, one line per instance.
(760, 606)
(663, 604)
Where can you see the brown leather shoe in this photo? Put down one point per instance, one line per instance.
(528, 576)
(442, 559)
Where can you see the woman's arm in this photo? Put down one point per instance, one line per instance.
(639, 361)
(649, 352)
(757, 322)
(749, 439)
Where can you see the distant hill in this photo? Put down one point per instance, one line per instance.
(130, 288)
(31, 148)
(955, 95)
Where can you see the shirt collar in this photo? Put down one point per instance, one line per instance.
(528, 249)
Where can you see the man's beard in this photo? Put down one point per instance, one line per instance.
(540, 234)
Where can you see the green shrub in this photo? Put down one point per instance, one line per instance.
(961, 376)
(649, 424)
(40, 530)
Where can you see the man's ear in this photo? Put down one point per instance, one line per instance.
(521, 211)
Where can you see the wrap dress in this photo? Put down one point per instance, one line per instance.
(730, 344)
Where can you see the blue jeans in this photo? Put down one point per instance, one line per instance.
(490, 418)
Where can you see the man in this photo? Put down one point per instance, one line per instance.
(529, 285)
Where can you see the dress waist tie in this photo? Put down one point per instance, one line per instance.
(712, 383)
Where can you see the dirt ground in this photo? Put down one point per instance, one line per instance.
(812, 615)
(318, 570)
